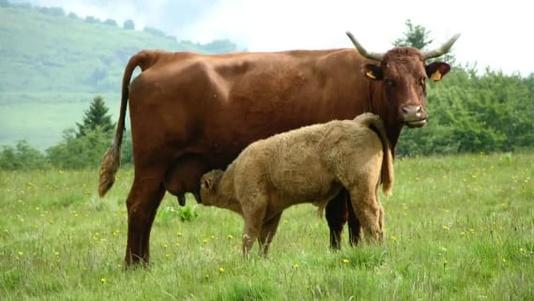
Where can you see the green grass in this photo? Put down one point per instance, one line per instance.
(458, 228)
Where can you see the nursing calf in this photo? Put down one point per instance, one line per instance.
(308, 165)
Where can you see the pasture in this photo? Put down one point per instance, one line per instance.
(457, 227)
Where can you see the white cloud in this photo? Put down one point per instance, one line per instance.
(494, 33)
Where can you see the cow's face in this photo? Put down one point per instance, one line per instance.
(209, 184)
(403, 74)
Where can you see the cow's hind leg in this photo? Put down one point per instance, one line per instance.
(267, 233)
(336, 217)
(143, 202)
(354, 224)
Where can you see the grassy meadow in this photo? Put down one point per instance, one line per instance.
(458, 227)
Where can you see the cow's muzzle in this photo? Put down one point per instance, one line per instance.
(414, 116)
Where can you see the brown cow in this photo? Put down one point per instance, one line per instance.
(201, 111)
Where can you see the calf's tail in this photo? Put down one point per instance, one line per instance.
(377, 125)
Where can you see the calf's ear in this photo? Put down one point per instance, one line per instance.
(437, 70)
(373, 72)
(207, 183)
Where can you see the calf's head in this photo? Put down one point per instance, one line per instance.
(403, 72)
(209, 184)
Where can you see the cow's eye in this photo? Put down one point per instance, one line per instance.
(389, 82)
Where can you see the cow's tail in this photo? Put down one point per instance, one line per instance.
(112, 157)
(387, 173)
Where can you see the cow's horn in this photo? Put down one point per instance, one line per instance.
(441, 50)
(362, 51)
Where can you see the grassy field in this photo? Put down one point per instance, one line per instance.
(459, 227)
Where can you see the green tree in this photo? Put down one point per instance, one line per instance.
(111, 22)
(22, 156)
(91, 20)
(415, 36)
(83, 148)
(472, 111)
(79, 152)
(95, 117)
(220, 46)
(418, 36)
(128, 24)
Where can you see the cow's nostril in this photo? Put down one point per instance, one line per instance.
(405, 109)
(419, 109)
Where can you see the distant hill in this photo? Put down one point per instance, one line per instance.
(53, 64)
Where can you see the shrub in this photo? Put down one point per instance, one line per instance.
(22, 156)
(79, 152)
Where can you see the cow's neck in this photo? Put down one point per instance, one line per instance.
(378, 105)
(393, 132)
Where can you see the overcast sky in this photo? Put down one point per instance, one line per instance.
(499, 34)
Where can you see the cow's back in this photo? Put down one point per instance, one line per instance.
(214, 106)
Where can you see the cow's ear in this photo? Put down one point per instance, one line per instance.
(373, 72)
(437, 70)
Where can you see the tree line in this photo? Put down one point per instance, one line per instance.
(80, 147)
(469, 111)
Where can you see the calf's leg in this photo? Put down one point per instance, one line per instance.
(254, 209)
(267, 233)
(368, 210)
(381, 218)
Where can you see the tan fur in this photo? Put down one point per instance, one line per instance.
(387, 175)
(308, 165)
(108, 169)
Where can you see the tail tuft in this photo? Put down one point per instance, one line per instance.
(112, 158)
(108, 169)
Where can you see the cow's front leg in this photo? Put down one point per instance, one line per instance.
(354, 224)
(336, 216)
